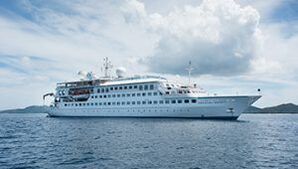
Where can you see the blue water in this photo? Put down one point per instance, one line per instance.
(255, 141)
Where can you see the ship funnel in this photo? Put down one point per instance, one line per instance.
(120, 72)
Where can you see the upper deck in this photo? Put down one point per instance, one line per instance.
(111, 81)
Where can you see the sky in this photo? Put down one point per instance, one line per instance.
(235, 46)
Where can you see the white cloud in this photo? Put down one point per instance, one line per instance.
(219, 37)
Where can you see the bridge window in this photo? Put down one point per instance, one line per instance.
(151, 87)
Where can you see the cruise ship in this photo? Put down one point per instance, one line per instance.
(142, 96)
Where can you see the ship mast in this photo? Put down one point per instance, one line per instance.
(189, 69)
(107, 65)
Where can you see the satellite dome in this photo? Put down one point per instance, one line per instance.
(120, 72)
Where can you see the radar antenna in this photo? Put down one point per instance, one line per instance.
(189, 69)
(107, 65)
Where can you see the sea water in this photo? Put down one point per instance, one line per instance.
(254, 141)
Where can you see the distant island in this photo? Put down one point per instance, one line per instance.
(289, 108)
(279, 109)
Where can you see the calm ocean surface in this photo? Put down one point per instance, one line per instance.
(255, 141)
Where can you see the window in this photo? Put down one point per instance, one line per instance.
(107, 90)
(109, 96)
(96, 104)
(140, 87)
(91, 104)
(104, 96)
(95, 96)
(149, 102)
(138, 102)
(173, 101)
(143, 102)
(167, 101)
(149, 93)
(125, 87)
(118, 95)
(98, 90)
(113, 95)
(123, 95)
(111, 88)
(104, 103)
(130, 87)
(100, 103)
(76, 104)
(138, 94)
(116, 88)
(128, 103)
(133, 102)
(161, 102)
(128, 95)
(179, 101)
(80, 104)
(155, 93)
(167, 92)
(155, 102)
(102, 90)
(123, 103)
(91, 97)
(133, 95)
(145, 87)
(65, 104)
(120, 88)
(135, 86)
(160, 93)
(143, 94)
(151, 87)
(113, 103)
(100, 96)
(118, 103)
(193, 100)
(186, 101)
(109, 103)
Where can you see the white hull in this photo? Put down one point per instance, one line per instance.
(216, 107)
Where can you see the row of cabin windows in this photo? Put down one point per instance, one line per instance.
(126, 95)
(134, 102)
(115, 88)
